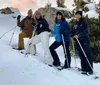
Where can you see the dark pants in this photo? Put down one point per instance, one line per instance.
(86, 46)
(56, 62)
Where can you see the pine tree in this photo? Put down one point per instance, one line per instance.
(94, 36)
(60, 3)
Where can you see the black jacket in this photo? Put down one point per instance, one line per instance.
(80, 28)
(41, 25)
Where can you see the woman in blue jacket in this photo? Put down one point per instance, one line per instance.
(60, 28)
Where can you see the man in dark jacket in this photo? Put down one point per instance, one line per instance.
(41, 35)
(26, 26)
(80, 30)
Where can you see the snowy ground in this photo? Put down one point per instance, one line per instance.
(15, 69)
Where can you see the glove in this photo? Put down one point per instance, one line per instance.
(62, 32)
(18, 17)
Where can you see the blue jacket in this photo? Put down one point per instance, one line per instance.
(81, 29)
(63, 25)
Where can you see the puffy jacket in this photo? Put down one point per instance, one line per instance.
(42, 26)
(80, 28)
(26, 25)
(63, 25)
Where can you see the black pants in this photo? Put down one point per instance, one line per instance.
(56, 62)
(86, 46)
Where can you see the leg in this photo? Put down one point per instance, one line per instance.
(54, 54)
(44, 37)
(82, 58)
(21, 40)
(34, 45)
(34, 40)
(67, 64)
(86, 47)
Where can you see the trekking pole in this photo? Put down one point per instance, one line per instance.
(66, 58)
(74, 54)
(96, 77)
(12, 35)
(35, 28)
(7, 32)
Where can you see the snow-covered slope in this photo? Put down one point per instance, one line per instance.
(15, 69)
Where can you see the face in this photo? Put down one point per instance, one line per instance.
(30, 14)
(77, 16)
(37, 16)
(59, 16)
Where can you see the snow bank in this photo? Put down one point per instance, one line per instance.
(65, 9)
(92, 14)
(91, 6)
(86, 1)
(92, 11)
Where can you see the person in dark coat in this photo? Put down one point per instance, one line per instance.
(80, 30)
(60, 28)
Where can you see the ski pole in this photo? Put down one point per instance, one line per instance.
(96, 77)
(12, 35)
(7, 32)
(66, 58)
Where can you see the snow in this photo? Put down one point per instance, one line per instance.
(15, 69)
(92, 10)
(65, 9)
(91, 6)
(92, 14)
(86, 1)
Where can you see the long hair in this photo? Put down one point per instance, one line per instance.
(61, 18)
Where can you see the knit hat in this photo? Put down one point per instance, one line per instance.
(79, 12)
(37, 12)
(30, 12)
(59, 13)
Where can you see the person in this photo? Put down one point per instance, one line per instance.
(80, 31)
(61, 28)
(26, 26)
(41, 35)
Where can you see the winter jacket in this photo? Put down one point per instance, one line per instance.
(63, 25)
(41, 26)
(26, 25)
(80, 28)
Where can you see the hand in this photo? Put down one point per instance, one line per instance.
(76, 37)
(18, 17)
(49, 33)
(62, 32)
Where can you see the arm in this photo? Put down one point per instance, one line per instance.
(53, 31)
(85, 31)
(20, 23)
(67, 29)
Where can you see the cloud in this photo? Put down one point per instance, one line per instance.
(24, 5)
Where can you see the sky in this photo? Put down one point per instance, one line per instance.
(24, 5)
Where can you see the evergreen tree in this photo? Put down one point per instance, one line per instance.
(60, 3)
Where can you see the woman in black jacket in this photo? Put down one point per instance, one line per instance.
(41, 29)
(80, 31)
